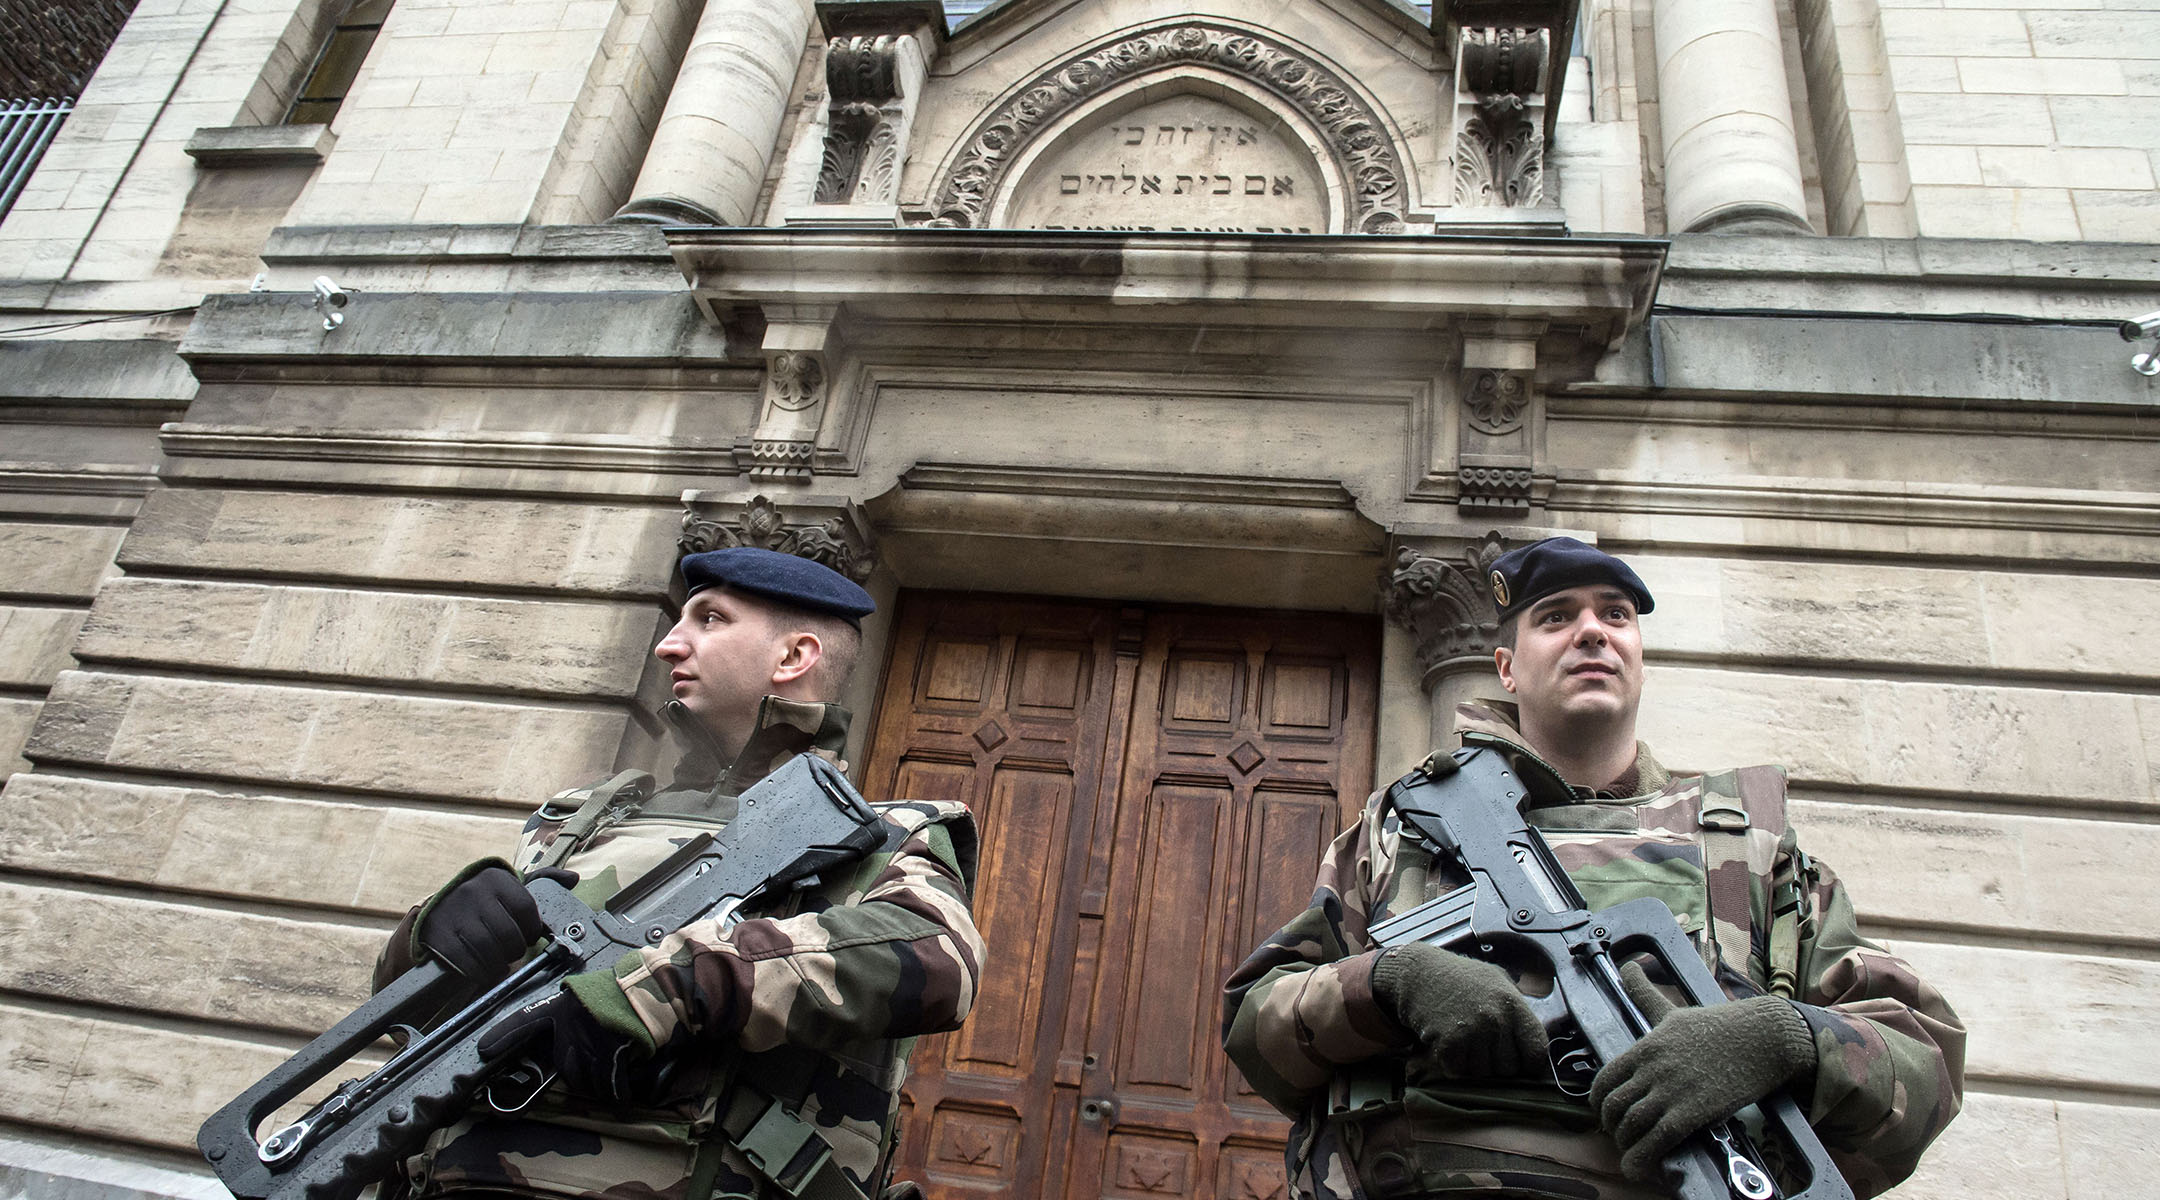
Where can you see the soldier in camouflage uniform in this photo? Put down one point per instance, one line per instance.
(1417, 1072)
(753, 1060)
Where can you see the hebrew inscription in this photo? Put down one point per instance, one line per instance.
(1184, 164)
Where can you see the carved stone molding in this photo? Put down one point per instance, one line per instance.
(824, 530)
(1500, 156)
(1444, 602)
(1494, 401)
(1499, 490)
(777, 458)
(861, 162)
(1352, 131)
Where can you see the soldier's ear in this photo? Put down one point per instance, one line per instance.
(800, 653)
(1504, 662)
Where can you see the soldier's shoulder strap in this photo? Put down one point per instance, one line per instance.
(1743, 833)
(594, 802)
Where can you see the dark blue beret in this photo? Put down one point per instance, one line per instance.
(786, 578)
(1527, 574)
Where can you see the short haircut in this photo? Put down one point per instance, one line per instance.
(1505, 635)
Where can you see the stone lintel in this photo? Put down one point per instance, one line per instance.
(1148, 535)
(1588, 290)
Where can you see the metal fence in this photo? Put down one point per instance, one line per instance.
(26, 128)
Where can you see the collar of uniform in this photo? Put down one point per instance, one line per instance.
(1502, 720)
(786, 728)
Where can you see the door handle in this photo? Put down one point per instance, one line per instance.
(1099, 1111)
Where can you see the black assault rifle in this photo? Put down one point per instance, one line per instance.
(803, 819)
(1469, 807)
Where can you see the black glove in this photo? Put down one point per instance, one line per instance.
(484, 925)
(1695, 1066)
(1470, 1021)
(590, 1059)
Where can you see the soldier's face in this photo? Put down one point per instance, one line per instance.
(1577, 655)
(727, 654)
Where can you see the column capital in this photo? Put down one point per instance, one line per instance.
(829, 530)
(1438, 593)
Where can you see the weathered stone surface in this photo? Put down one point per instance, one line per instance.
(407, 539)
(34, 643)
(16, 717)
(2001, 1148)
(2005, 741)
(358, 740)
(567, 648)
(62, 562)
(2020, 875)
(1846, 613)
(179, 960)
(2047, 1019)
(368, 859)
(124, 1080)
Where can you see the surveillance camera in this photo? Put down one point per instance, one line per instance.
(2145, 326)
(328, 296)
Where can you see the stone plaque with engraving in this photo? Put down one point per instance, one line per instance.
(1184, 164)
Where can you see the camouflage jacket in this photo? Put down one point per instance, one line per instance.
(813, 1003)
(1302, 1023)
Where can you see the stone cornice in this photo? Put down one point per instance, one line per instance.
(1586, 289)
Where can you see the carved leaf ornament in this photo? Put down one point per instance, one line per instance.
(761, 524)
(1350, 127)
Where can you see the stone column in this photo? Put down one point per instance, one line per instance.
(1440, 596)
(1732, 162)
(708, 155)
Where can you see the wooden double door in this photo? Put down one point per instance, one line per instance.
(1154, 788)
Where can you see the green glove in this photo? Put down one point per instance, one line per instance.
(1469, 1020)
(1696, 1066)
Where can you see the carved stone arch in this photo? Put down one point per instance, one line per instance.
(1353, 132)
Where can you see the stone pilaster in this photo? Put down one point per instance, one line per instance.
(709, 153)
(1732, 161)
(1438, 593)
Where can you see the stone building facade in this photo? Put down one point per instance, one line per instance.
(1167, 370)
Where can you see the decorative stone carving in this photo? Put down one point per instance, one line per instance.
(1499, 156)
(1444, 604)
(1507, 89)
(1495, 400)
(1352, 131)
(1499, 490)
(794, 380)
(1503, 61)
(841, 541)
(776, 458)
(862, 145)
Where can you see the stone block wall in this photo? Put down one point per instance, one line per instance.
(2028, 121)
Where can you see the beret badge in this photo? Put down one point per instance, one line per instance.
(1499, 589)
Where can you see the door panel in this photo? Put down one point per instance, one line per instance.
(1154, 790)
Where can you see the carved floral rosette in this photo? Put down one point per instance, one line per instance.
(761, 524)
(1350, 127)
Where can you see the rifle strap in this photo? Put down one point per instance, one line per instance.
(627, 786)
